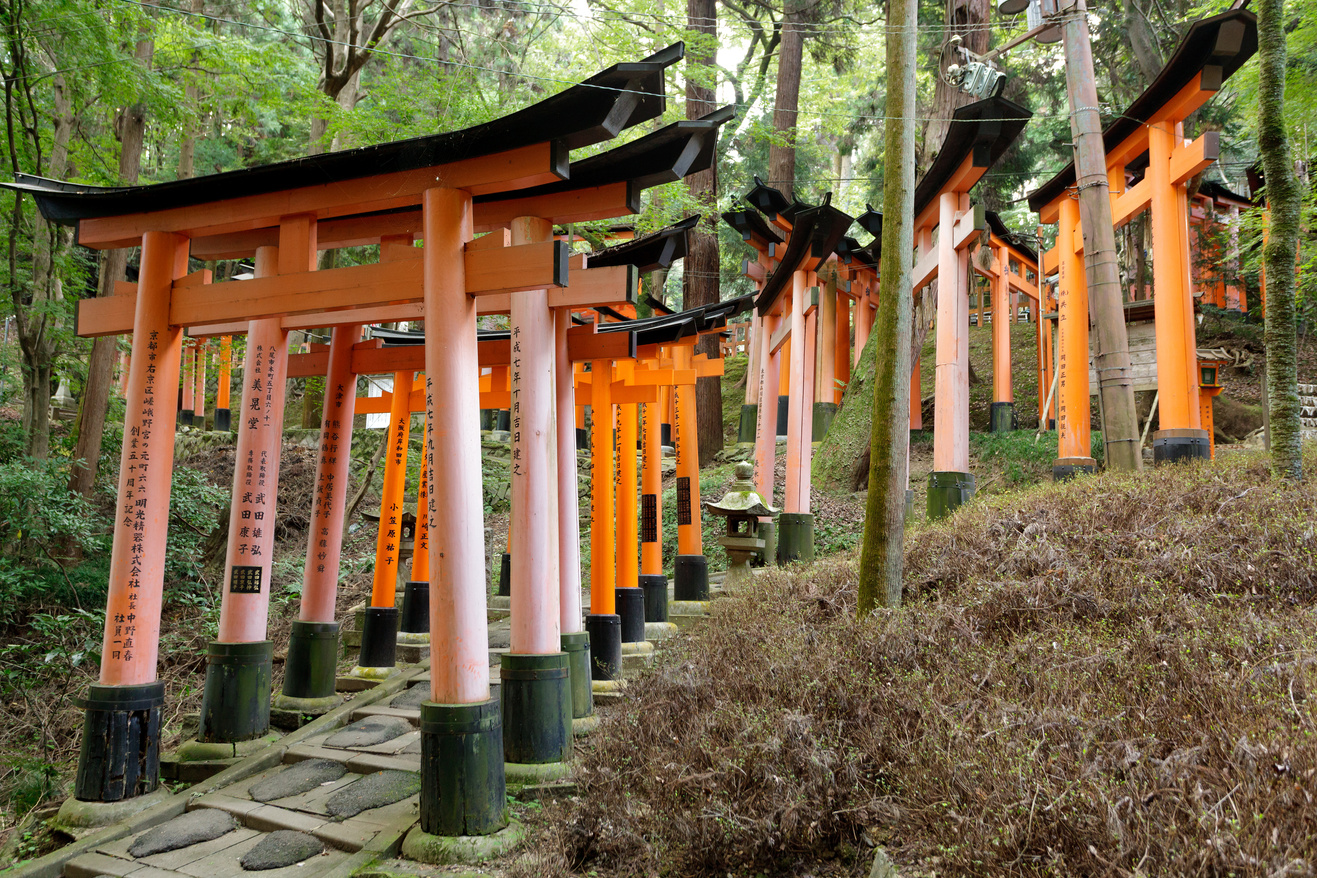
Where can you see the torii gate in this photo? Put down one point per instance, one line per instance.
(1008, 273)
(447, 185)
(1149, 164)
(1215, 265)
(812, 235)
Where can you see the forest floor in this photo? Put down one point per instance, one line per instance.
(45, 642)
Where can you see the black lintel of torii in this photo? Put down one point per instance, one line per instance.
(1015, 239)
(590, 112)
(651, 252)
(754, 229)
(816, 232)
(1215, 47)
(670, 328)
(982, 132)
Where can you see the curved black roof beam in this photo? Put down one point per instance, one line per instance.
(815, 234)
(753, 229)
(1216, 47)
(1015, 239)
(981, 131)
(584, 114)
(649, 252)
(769, 201)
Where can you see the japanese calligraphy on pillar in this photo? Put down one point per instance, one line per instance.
(255, 494)
(648, 502)
(331, 439)
(518, 457)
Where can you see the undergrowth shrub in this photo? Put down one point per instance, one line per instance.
(1106, 677)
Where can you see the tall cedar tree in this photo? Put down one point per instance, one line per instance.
(1284, 199)
(700, 278)
(881, 559)
(790, 56)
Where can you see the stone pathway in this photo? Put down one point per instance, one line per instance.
(337, 800)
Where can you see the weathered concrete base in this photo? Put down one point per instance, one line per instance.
(441, 850)
(287, 712)
(659, 631)
(410, 637)
(584, 725)
(195, 761)
(77, 818)
(375, 674)
(524, 773)
(607, 691)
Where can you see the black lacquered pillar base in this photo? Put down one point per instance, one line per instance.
(222, 420)
(690, 578)
(312, 663)
(631, 610)
(415, 617)
(235, 705)
(795, 538)
(654, 586)
(536, 696)
(605, 646)
(577, 646)
(119, 756)
(463, 785)
(379, 638)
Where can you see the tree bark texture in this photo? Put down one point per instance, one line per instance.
(700, 271)
(969, 19)
(790, 55)
(1284, 200)
(882, 560)
(100, 366)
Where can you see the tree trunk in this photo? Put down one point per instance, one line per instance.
(1143, 40)
(700, 274)
(100, 366)
(790, 55)
(882, 561)
(1284, 201)
(969, 19)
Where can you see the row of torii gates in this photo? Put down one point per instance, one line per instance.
(814, 282)
(465, 225)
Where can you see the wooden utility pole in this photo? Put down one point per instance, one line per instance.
(1120, 423)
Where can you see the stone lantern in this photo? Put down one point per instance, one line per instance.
(742, 507)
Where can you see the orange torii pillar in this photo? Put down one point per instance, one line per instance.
(414, 618)
(603, 624)
(119, 755)
(189, 382)
(574, 639)
(748, 426)
(770, 365)
(795, 525)
(825, 354)
(653, 584)
(379, 629)
(1073, 443)
(841, 364)
(311, 666)
(690, 575)
(463, 785)
(224, 378)
(630, 601)
(1002, 413)
(236, 703)
(199, 395)
(951, 483)
(536, 696)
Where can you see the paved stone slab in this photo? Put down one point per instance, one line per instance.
(412, 698)
(369, 763)
(414, 748)
(368, 731)
(296, 779)
(175, 860)
(186, 829)
(281, 848)
(374, 791)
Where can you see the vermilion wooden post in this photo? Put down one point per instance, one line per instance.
(652, 581)
(825, 356)
(124, 360)
(842, 348)
(236, 703)
(748, 426)
(691, 568)
(1002, 415)
(119, 756)
(766, 429)
(916, 398)
(414, 620)
(379, 630)
(863, 325)
(224, 378)
(575, 641)
(536, 695)
(630, 599)
(950, 483)
(310, 670)
(463, 786)
(1072, 391)
(603, 623)
(199, 395)
(1181, 434)
(189, 382)
(795, 526)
